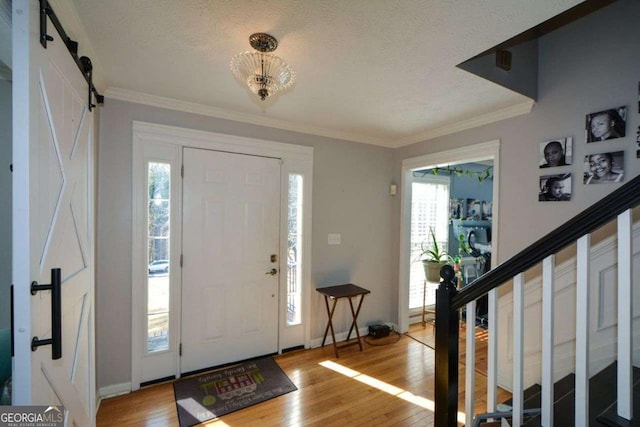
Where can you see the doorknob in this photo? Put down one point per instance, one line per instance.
(272, 272)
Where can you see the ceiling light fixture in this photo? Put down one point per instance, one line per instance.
(264, 73)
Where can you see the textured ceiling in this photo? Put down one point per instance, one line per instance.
(375, 71)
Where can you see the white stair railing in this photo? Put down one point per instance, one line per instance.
(518, 348)
(548, 320)
(576, 231)
(625, 317)
(582, 331)
(624, 356)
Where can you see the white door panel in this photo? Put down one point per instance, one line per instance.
(231, 220)
(59, 189)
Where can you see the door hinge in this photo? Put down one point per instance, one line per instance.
(182, 171)
(181, 260)
(180, 350)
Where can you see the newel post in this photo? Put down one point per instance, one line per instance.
(446, 387)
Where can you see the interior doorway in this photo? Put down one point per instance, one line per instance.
(482, 154)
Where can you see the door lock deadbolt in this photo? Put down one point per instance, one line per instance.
(274, 258)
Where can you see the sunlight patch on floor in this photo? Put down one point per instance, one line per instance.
(385, 387)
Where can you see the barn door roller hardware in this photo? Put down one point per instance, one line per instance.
(83, 63)
(56, 314)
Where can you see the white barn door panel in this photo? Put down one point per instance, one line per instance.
(53, 221)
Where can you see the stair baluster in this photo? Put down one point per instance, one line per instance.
(548, 319)
(625, 316)
(582, 331)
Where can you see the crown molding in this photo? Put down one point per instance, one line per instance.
(205, 110)
(480, 120)
(209, 111)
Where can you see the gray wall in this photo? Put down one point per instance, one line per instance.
(588, 66)
(5, 208)
(350, 196)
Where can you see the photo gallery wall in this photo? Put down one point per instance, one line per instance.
(601, 166)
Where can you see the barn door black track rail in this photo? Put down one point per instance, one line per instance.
(83, 62)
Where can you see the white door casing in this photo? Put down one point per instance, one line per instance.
(53, 198)
(472, 153)
(154, 142)
(231, 214)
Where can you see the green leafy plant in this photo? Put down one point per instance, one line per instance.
(481, 175)
(433, 252)
(463, 246)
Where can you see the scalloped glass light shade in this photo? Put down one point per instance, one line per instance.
(263, 73)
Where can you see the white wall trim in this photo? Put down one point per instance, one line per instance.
(340, 336)
(218, 141)
(483, 151)
(205, 110)
(114, 390)
(149, 141)
(480, 120)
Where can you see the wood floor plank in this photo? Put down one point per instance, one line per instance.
(388, 385)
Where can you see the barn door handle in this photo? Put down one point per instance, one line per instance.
(56, 314)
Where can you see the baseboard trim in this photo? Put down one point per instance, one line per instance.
(317, 342)
(114, 390)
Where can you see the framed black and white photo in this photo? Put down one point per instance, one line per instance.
(555, 188)
(474, 209)
(487, 210)
(457, 208)
(606, 124)
(555, 152)
(602, 168)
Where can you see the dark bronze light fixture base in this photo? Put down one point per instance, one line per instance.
(263, 42)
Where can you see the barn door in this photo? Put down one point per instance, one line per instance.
(53, 214)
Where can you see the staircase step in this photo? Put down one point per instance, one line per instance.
(602, 400)
(530, 397)
(563, 396)
(609, 416)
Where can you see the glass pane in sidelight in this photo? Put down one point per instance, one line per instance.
(294, 247)
(158, 264)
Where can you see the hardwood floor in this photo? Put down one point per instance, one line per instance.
(384, 385)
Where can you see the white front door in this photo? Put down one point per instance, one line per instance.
(231, 216)
(53, 220)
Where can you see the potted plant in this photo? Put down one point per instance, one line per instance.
(433, 257)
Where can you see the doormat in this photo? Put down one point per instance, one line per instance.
(214, 394)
